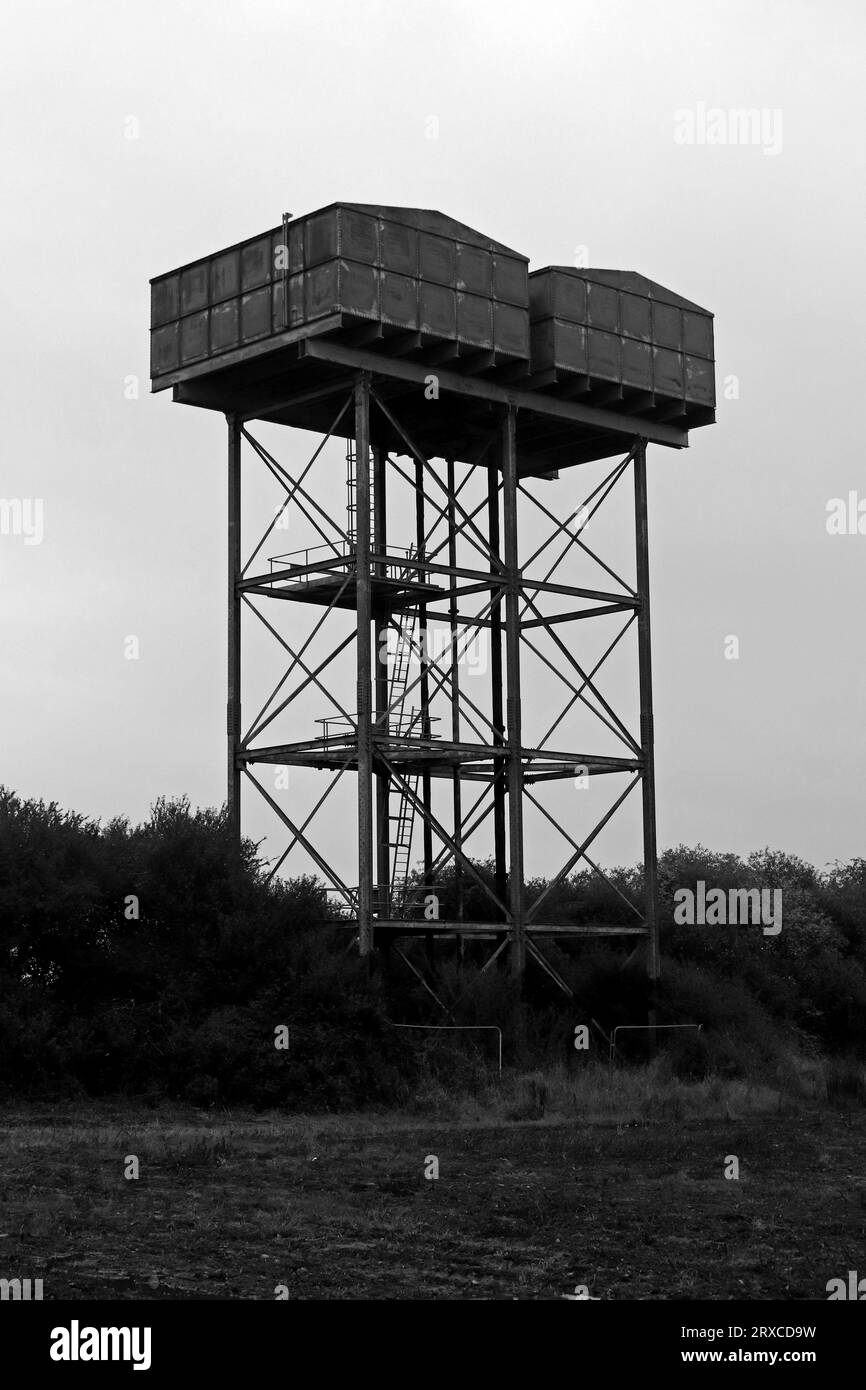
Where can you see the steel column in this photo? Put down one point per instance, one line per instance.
(233, 702)
(381, 629)
(455, 687)
(512, 659)
(365, 693)
(497, 716)
(423, 634)
(650, 852)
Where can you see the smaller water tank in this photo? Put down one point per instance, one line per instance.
(615, 326)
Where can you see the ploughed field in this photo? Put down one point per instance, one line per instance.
(334, 1207)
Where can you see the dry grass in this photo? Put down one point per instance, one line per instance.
(598, 1094)
(610, 1179)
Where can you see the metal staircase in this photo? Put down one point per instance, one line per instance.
(400, 721)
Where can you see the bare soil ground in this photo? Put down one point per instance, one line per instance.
(336, 1207)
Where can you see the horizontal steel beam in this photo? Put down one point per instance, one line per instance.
(434, 750)
(462, 926)
(625, 606)
(494, 580)
(609, 421)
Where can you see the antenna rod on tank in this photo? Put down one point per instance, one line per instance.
(287, 217)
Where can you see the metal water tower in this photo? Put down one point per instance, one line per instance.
(457, 380)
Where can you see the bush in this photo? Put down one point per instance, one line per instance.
(180, 997)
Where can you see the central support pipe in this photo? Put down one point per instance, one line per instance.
(496, 712)
(425, 728)
(455, 688)
(381, 629)
(364, 644)
(512, 662)
(647, 732)
(424, 655)
(233, 700)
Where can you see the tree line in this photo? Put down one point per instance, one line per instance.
(151, 960)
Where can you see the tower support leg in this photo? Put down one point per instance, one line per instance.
(513, 721)
(233, 702)
(425, 729)
(650, 848)
(364, 703)
(383, 780)
(496, 701)
(455, 694)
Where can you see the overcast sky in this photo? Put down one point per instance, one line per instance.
(558, 127)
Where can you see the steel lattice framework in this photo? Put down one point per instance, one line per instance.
(466, 773)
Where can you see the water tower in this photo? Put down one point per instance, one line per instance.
(396, 582)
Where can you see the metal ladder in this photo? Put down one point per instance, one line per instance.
(404, 820)
(402, 845)
(405, 817)
(352, 494)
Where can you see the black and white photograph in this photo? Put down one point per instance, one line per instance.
(432, 568)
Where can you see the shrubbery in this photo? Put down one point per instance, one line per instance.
(182, 1000)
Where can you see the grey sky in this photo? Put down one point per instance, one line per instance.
(556, 129)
